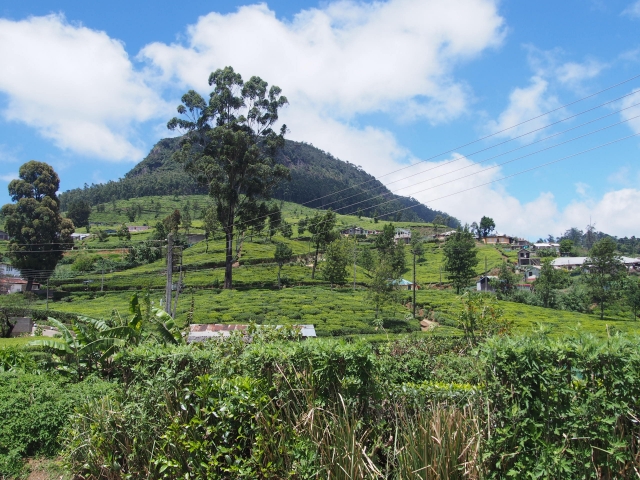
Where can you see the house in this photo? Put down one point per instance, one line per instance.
(497, 239)
(358, 231)
(15, 285)
(546, 246)
(79, 236)
(524, 257)
(402, 235)
(403, 284)
(444, 235)
(531, 272)
(7, 270)
(199, 332)
(4, 235)
(484, 283)
(137, 228)
(571, 263)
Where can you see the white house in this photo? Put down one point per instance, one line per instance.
(402, 235)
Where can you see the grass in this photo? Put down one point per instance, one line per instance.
(17, 341)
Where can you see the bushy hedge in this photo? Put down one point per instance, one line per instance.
(34, 410)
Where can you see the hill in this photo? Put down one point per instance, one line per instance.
(314, 174)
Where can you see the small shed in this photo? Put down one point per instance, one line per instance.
(4, 235)
(484, 283)
(402, 284)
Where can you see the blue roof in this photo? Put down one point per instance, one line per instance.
(402, 281)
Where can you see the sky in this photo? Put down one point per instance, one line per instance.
(522, 111)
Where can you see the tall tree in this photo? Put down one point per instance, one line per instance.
(229, 146)
(605, 273)
(337, 257)
(282, 255)
(39, 235)
(460, 258)
(321, 228)
(79, 212)
(417, 250)
(487, 225)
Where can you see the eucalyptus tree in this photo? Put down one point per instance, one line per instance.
(460, 258)
(229, 145)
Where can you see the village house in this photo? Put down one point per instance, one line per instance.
(444, 235)
(402, 235)
(79, 236)
(7, 270)
(403, 284)
(571, 263)
(524, 257)
(497, 239)
(484, 283)
(358, 231)
(4, 235)
(530, 272)
(15, 285)
(546, 246)
(137, 228)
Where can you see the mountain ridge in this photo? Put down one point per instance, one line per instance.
(318, 180)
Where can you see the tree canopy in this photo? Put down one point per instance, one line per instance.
(39, 235)
(604, 273)
(460, 258)
(229, 146)
(487, 225)
(79, 212)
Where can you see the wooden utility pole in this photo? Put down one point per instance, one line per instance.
(167, 306)
(47, 294)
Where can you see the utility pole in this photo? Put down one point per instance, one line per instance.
(47, 294)
(440, 275)
(102, 281)
(485, 264)
(167, 306)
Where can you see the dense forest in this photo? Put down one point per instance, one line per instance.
(344, 187)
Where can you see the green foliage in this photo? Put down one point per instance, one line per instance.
(282, 255)
(321, 228)
(548, 282)
(338, 255)
(39, 235)
(460, 258)
(229, 145)
(562, 409)
(481, 317)
(487, 225)
(78, 212)
(505, 284)
(34, 409)
(604, 273)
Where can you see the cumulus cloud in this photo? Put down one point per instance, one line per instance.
(75, 85)
(633, 10)
(526, 106)
(572, 73)
(7, 177)
(469, 197)
(346, 58)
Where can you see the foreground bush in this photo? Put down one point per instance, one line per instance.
(34, 409)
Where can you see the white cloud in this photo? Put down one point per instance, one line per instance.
(572, 73)
(7, 177)
(345, 58)
(582, 189)
(525, 104)
(76, 86)
(632, 10)
(470, 198)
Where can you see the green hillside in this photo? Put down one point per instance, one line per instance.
(318, 180)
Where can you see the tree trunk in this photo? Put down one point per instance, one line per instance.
(228, 267)
(29, 284)
(279, 268)
(414, 285)
(315, 262)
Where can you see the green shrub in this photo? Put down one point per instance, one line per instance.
(34, 410)
(563, 408)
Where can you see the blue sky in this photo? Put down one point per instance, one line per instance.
(89, 87)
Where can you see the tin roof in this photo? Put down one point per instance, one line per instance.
(200, 332)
